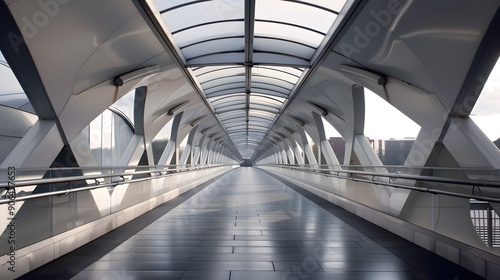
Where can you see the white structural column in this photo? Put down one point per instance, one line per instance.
(283, 147)
(298, 155)
(287, 146)
(356, 124)
(291, 157)
(197, 151)
(360, 144)
(481, 151)
(168, 153)
(307, 148)
(135, 148)
(326, 148)
(187, 149)
(206, 149)
(278, 154)
(284, 156)
(210, 153)
(38, 148)
(216, 155)
(275, 158)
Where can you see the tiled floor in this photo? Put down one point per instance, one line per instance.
(249, 225)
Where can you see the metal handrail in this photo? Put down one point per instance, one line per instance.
(96, 185)
(483, 183)
(24, 183)
(315, 166)
(107, 167)
(355, 175)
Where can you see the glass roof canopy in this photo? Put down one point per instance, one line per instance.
(248, 55)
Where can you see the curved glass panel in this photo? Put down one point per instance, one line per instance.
(165, 5)
(272, 81)
(236, 122)
(247, 143)
(225, 92)
(224, 80)
(205, 74)
(265, 101)
(231, 117)
(260, 122)
(267, 87)
(230, 108)
(202, 12)
(294, 13)
(227, 98)
(254, 134)
(277, 46)
(260, 119)
(262, 114)
(245, 140)
(334, 5)
(226, 104)
(288, 74)
(269, 92)
(209, 31)
(219, 58)
(288, 32)
(236, 128)
(264, 108)
(297, 72)
(267, 98)
(229, 87)
(213, 46)
(233, 114)
(241, 121)
(285, 37)
(280, 58)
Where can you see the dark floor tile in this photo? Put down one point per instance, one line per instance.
(307, 265)
(206, 275)
(254, 228)
(129, 275)
(300, 274)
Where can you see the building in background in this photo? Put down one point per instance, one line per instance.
(392, 151)
(338, 146)
(396, 151)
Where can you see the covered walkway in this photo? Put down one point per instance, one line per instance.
(250, 225)
(113, 111)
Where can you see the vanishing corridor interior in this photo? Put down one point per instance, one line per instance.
(249, 139)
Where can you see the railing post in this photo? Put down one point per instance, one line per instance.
(489, 228)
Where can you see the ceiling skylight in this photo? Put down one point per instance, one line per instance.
(248, 55)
